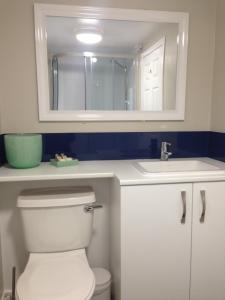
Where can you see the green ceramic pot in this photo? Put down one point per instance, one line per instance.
(23, 150)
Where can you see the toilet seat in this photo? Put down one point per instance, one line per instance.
(56, 276)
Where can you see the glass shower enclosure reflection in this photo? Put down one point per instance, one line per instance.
(92, 83)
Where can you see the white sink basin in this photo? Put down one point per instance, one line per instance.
(175, 166)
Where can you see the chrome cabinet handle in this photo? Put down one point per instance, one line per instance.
(92, 207)
(183, 197)
(202, 218)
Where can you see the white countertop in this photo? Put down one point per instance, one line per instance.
(124, 170)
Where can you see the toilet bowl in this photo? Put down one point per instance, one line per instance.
(56, 276)
(102, 284)
(57, 227)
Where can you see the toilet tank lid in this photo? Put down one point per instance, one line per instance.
(56, 197)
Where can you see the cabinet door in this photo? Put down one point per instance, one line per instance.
(208, 246)
(155, 245)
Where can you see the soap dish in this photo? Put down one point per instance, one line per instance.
(64, 163)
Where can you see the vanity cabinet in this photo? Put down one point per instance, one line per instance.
(208, 242)
(173, 241)
(155, 245)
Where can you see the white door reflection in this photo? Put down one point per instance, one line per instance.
(152, 65)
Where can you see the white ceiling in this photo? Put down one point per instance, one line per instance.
(123, 37)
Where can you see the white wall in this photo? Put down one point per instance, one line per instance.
(218, 103)
(18, 71)
(13, 247)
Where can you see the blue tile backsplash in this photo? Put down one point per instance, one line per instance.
(130, 145)
(217, 146)
(2, 150)
(124, 145)
(103, 146)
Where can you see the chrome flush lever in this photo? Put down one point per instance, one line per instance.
(183, 197)
(92, 207)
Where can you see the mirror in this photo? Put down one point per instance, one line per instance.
(110, 64)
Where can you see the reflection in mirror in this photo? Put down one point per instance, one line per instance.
(111, 65)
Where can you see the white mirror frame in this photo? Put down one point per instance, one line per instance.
(41, 11)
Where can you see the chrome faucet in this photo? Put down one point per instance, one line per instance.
(164, 151)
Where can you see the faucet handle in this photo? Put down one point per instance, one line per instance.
(164, 145)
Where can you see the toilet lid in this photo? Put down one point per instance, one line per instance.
(58, 277)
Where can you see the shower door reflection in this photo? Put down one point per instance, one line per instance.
(92, 83)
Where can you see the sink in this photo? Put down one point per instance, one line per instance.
(175, 166)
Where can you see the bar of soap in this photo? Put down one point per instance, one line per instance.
(64, 163)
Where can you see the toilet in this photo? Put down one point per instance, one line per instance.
(57, 226)
(102, 284)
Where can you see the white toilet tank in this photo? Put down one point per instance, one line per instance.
(55, 220)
